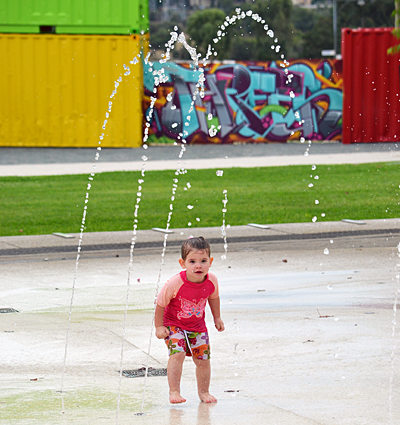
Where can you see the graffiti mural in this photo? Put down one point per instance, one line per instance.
(244, 102)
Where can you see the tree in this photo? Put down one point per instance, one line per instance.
(202, 28)
(396, 31)
(278, 16)
(303, 19)
(243, 48)
(354, 14)
(320, 38)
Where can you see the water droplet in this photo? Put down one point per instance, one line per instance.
(326, 251)
(220, 173)
(212, 131)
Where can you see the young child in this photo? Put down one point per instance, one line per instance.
(179, 317)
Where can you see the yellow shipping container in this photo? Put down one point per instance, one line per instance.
(55, 90)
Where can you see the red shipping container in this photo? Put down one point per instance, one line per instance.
(371, 86)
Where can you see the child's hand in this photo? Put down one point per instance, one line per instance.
(219, 324)
(162, 332)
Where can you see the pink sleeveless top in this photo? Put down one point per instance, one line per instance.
(186, 301)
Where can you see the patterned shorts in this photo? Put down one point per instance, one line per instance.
(194, 344)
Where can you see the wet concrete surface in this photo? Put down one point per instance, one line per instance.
(308, 340)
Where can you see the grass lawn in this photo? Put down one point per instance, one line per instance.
(43, 205)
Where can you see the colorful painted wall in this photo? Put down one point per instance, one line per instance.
(245, 102)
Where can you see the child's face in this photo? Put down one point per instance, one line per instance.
(196, 264)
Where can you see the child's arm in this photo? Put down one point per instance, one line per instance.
(216, 312)
(161, 330)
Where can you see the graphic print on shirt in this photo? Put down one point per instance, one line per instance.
(190, 308)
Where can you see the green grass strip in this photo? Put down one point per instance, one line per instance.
(43, 205)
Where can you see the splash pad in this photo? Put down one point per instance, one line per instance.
(283, 361)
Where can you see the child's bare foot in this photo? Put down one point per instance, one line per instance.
(175, 397)
(207, 398)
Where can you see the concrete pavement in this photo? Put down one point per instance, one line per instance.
(311, 334)
(308, 339)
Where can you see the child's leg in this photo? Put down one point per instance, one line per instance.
(203, 375)
(174, 372)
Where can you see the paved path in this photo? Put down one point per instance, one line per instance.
(308, 335)
(52, 161)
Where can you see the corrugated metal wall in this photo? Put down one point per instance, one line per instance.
(75, 16)
(371, 87)
(56, 88)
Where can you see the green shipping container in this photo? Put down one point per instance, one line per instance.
(74, 16)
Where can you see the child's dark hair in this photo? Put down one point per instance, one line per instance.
(195, 244)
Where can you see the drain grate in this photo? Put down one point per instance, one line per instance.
(8, 310)
(137, 373)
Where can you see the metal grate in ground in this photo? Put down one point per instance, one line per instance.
(137, 373)
(8, 310)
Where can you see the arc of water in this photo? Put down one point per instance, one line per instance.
(394, 348)
(82, 229)
(128, 282)
(223, 227)
(195, 57)
(133, 241)
(193, 53)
